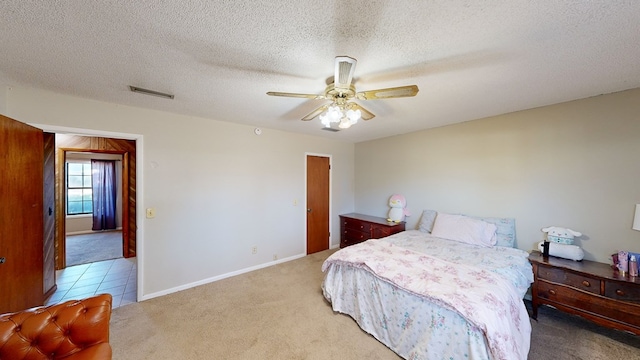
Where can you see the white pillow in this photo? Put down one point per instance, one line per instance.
(464, 229)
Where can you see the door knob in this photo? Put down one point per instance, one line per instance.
(2, 260)
(308, 210)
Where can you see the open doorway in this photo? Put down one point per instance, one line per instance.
(67, 145)
(117, 276)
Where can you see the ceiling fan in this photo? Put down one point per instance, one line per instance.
(340, 90)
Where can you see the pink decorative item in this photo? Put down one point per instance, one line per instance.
(398, 209)
(623, 261)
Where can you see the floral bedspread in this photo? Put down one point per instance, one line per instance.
(488, 301)
(511, 263)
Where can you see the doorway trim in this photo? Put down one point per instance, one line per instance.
(139, 139)
(306, 206)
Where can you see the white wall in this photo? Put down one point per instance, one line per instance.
(218, 189)
(573, 165)
(3, 99)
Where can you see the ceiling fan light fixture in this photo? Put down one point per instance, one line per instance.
(353, 116)
(341, 90)
(324, 119)
(344, 123)
(332, 115)
(336, 114)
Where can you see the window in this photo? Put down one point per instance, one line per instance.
(79, 199)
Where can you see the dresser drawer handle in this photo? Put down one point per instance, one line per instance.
(586, 283)
(619, 292)
(552, 292)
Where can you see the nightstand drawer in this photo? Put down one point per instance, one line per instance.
(560, 294)
(354, 224)
(577, 281)
(622, 291)
(383, 232)
(355, 235)
(570, 297)
(567, 297)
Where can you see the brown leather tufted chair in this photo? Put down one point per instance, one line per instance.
(76, 329)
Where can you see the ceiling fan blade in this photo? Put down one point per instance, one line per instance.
(316, 112)
(396, 92)
(344, 68)
(364, 113)
(296, 95)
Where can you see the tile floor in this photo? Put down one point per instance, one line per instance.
(117, 277)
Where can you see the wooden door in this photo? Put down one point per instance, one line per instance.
(317, 203)
(21, 215)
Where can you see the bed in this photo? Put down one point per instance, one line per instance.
(451, 290)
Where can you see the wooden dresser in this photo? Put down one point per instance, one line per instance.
(590, 289)
(355, 228)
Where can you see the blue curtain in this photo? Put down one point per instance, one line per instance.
(103, 185)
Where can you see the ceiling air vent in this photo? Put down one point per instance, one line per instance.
(330, 129)
(150, 92)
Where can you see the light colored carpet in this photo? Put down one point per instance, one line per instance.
(279, 313)
(98, 246)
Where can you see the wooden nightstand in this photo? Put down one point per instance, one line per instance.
(590, 289)
(355, 228)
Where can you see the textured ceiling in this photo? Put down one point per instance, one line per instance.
(470, 59)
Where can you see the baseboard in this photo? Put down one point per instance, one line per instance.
(84, 232)
(217, 278)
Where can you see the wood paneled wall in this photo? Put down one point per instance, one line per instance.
(49, 204)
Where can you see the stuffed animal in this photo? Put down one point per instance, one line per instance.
(398, 209)
(560, 235)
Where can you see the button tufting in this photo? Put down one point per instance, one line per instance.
(39, 333)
